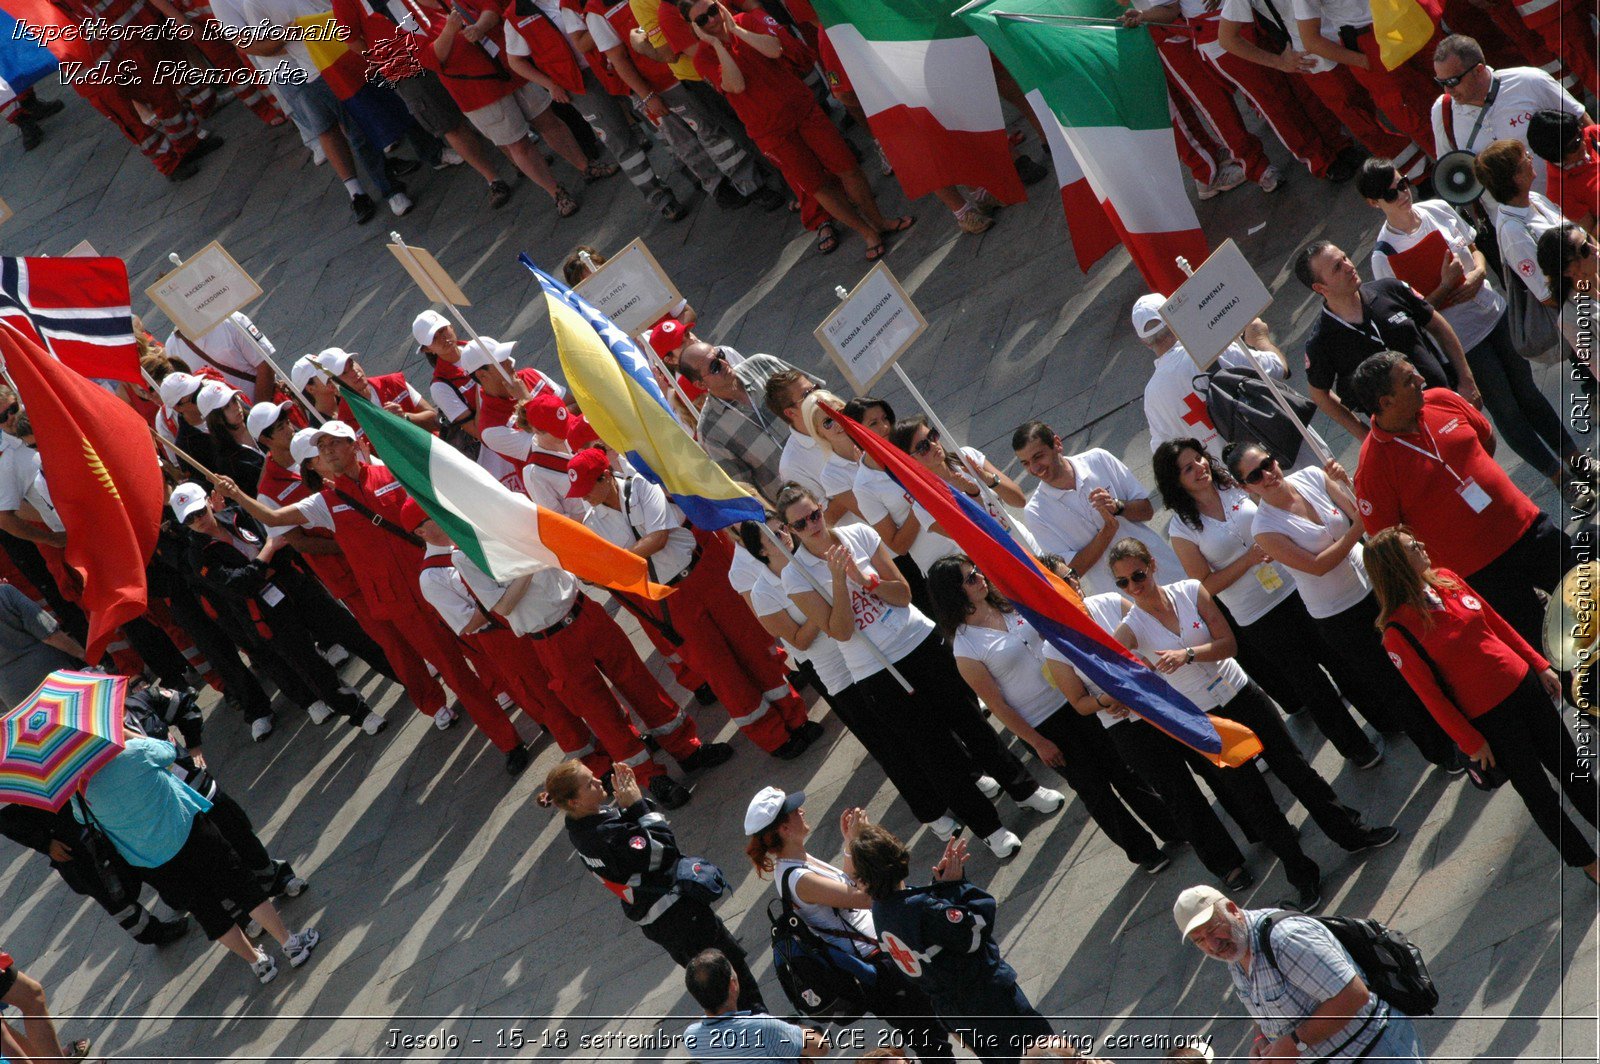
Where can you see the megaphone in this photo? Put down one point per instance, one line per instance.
(1455, 180)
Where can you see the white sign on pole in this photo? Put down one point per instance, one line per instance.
(1210, 310)
(199, 295)
(631, 289)
(870, 328)
(83, 250)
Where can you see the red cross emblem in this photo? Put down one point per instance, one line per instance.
(1195, 625)
(1198, 414)
(1236, 507)
(955, 916)
(637, 842)
(905, 958)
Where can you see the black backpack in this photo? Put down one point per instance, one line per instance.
(1240, 405)
(1390, 965)
(821, 980)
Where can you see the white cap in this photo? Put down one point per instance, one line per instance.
(175, 387)
(1195, 907)
(303, 445)
(482, 353)
(214, 395)
(263, 416)
(768, 807)
(304, 371)
(187, 499)
(1147, 315)
(427, 326)
(339, 430)
(332, 360)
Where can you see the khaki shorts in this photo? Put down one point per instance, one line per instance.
(506, 120)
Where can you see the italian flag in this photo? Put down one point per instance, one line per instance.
(1100, 94)
(927, 85)
(505, 534)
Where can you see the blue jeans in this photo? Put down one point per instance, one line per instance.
(1398, 1044)
(1520, 412)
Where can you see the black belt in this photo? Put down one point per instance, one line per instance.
(572, 615)
(1350, 36)
(694, 557)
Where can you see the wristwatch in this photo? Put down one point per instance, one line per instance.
(1188, 656)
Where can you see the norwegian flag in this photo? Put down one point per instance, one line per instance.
(78, 309)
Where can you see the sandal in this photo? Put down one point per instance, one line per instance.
(599, 171)
(1239, 879)
(901, 224)
(877, 251)
(566, 206)
(827, 238)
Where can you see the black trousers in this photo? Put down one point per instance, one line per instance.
(1167, 764)
(291, 658)
(26, 557)
(689, 927)
(206, 878)
(1284, 653)
(1252, 708)
(329, 622)
(234, 824)
(897, 1001)
(1528, 739)
(1535, 562)
(239, 684)
(939, 722)
(1375, 685)
(1108, 788)
(917, 580)
(886, 744)
(996, 1022)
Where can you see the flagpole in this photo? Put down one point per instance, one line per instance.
(181, 453)
(1318, 447)
(877, 652)
(405, 249)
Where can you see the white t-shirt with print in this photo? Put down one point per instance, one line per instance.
(1473, 320)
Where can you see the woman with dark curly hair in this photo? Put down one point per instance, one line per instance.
(1278, 645)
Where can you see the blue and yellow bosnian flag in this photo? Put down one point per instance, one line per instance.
(617, 392)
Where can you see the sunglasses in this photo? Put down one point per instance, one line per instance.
(1266, 465)
(1583, 250)
(802, 523)
(8, 411)
(1138, 576)
(707, 16)
(718, 365)
(927, 443)
(1450, 83)
(1392, 193)
(972, 579)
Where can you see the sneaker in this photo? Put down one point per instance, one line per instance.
(1269, 181)
(185, 169)
(336, 655)
(208, 144)
(811, 731)
(253, 928)
(669, 793)
(285, 883)
(319, 712)
(1029, 171)
(517, 759)
(1044, 800)
(163, 932)
(945, 827)
(1003, 843)
(1155, 865)
(768, 199)
(318, 156)
(363, 207)
(704, 695)
(506, 702)
(970, 219)
(984, 200)
(1375, 839)
(1374, 759)
(400, 204)
(398, 168)
(444, 718)
(265, 967)
(260, 728)
(447, 158)
(672, 210)
(298, 948)
(792, 748)
(707, 755)
(1456, 766)
(1309, 901)
(1228, 178)
(499, 193)
(1238, 881)
(989, 786)
(727, 197)
(374, 723)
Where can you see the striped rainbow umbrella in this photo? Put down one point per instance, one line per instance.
(60, 735)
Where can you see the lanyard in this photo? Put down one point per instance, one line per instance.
(1368, 328)
(1483, 112)
(1434, 454)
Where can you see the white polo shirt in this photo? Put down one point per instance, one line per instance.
(1064, 522)
(645, 508)
(1174, 410)
(235, 348)
(1334, 14)
(550, 596)
(1522, 91)
(1473, 320)
(802, 461)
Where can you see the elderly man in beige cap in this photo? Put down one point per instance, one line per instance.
(1307, 996)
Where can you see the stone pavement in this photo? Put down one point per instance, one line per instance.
(451, 906)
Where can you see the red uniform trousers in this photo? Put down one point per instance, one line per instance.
(1307, 128)
(510, 663)
(727, 645)
(151, 139)
(1211, 98)
(591, 649)
(225, 56)
(1198, 146)
(1568, 36)
(1343, 95)
(1405, 94)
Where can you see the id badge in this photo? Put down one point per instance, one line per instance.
(1473, 495)
(1267, 576)
(1220, 689)
(271, 595)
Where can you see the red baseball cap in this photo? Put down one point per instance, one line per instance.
(668, 335)
(584, 470)
(580, 433)
(547, 413)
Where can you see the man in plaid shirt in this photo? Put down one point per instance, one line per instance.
(1313, 1003)
(735, 428)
